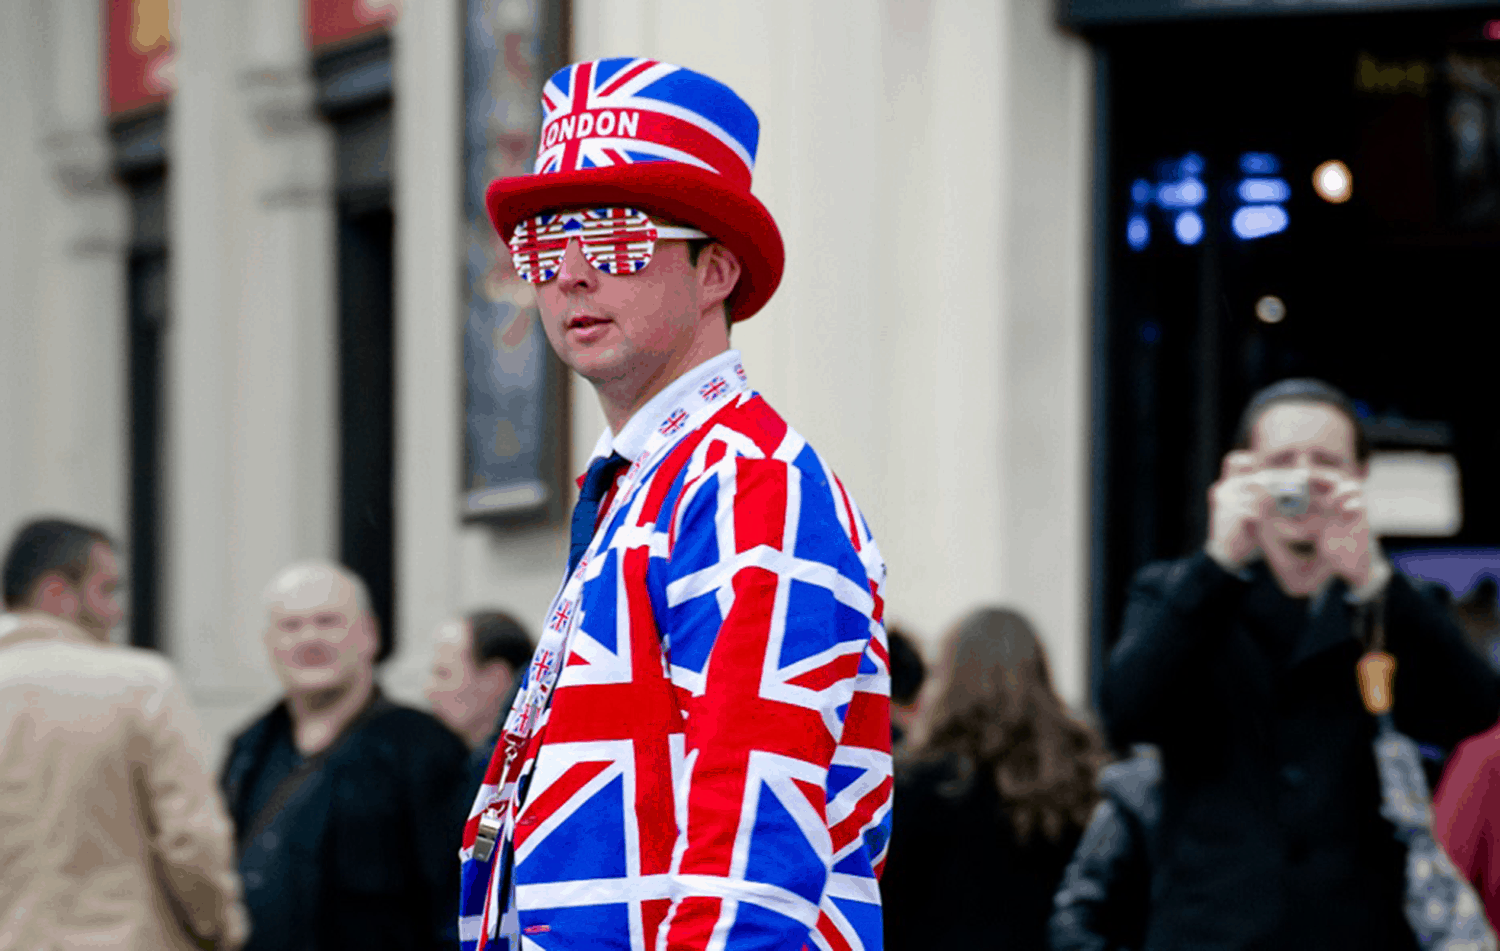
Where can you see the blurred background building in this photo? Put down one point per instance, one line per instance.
(1038, 256)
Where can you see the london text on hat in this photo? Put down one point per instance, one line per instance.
(650, 135)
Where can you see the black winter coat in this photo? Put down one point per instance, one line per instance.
(1104, 901)
(1270, 832)
(955, 876)
(367, 847)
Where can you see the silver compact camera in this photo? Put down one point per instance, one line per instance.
(1290, 490)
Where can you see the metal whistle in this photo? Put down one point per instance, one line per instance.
(485, 838)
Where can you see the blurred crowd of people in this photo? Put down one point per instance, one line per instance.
(335, 818)
(1244, 804)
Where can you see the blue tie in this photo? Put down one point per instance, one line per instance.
(596, 482)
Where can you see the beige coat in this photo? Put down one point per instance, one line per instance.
(112, 834)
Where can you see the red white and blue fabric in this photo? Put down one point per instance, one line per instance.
(711, 766)
(623, 110)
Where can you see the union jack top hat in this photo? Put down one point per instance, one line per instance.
(657, 137)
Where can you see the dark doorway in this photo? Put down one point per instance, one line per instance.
(1388, 295)
(354, 95)
(140, 163)
(147, 284)
(366, 406)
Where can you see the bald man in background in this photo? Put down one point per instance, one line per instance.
(349, 808)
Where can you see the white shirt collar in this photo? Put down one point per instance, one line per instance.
(631, 441)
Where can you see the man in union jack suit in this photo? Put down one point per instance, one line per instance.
(699, 756)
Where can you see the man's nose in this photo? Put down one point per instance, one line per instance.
(575, 269)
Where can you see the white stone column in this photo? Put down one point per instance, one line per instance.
(63, 325)
(252, 431)
(1049, 90)
(429, 309)
(22, 174)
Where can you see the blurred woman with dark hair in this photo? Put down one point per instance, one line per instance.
(991, 802)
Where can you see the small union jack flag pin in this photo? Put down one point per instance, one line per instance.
(561, 616)
(714, 388)
(673, 422)
(739, 371)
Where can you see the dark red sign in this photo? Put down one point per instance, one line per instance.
(137, 54)
(337, 21)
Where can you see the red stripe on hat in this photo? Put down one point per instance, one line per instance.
(582, 75)
(695, 141)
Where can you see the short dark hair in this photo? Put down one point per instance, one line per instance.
(695, 247)
(907, 669)
(495, 635)
(46, 545)
(1302, 390)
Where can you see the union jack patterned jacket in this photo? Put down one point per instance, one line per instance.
(712, 769)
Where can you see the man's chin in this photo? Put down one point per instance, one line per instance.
(1298, 577)
(305, 681)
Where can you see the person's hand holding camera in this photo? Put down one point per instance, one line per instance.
(1345, 539)
(1235, 506)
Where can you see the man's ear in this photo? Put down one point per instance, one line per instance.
(371, 628)
(53, 595)
(495, 677)
(718, 273)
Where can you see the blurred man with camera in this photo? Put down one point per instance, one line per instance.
(1239, 662)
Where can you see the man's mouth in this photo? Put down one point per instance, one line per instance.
(1303, 548)
(312, 655)
(584, 321)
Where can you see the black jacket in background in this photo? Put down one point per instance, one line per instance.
(366, 851)
(955, 876)
(1270, 832)
(1105, 895)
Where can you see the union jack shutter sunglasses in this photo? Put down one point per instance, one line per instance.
(614, 240)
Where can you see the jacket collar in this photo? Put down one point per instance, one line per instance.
(1329, 623)
(26, 626)
(631, 440)
(1310, 626)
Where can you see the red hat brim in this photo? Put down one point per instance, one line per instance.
(683, 193)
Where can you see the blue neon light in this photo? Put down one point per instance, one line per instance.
(1189, 227)
(1259, 163)
(1258, 190)
(1192, 165)
(1140, 191)
(1257, 221)
(1138, 232)
(1185, 194)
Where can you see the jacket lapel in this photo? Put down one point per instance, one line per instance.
(1329, 623)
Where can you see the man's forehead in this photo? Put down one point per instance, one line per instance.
(452, 631)
(102, 558)
(1302, 424)
(308, 589)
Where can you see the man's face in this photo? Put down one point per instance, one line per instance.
(318, 637)
(1317, 441)
(98, 596)
(622, 327)
(462, 696)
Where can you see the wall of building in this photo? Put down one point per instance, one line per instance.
(927, 163)
(62, 265)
